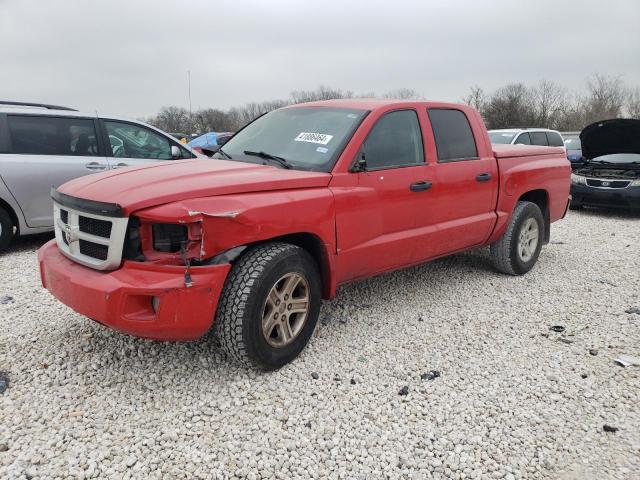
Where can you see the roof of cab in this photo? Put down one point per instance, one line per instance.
(376, 103)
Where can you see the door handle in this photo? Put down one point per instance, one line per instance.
(95, 166)
(483, 177)
(119, 165)
(420, 186)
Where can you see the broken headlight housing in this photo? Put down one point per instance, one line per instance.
(169, 237)
(578, 179)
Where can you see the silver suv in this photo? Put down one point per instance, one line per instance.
(527, 136)
(44, 146)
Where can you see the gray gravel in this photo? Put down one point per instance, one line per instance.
(513, 400)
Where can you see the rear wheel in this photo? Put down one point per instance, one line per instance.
(269, 306)
(517, 251)
(6, 229)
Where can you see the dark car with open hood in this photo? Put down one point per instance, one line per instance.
(610, 173)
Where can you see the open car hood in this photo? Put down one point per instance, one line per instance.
(620, 135)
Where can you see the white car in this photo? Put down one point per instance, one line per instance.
(527, 136)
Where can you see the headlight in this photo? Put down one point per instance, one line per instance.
(169, 237)
(578, 180)
(635, 183)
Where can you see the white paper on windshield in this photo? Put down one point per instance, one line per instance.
(310, 137)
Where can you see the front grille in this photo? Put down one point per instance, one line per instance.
(94, 250)
(90, 239)
(596, 182)
(93, 226)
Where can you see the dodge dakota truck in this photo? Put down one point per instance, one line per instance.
(300, 201)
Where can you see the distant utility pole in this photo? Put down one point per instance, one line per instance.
(189, 77)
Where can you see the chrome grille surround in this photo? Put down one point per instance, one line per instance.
(68, 236)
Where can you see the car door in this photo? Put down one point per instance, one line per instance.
(460, 210)
(132, 144)
(377, 217)
(46, 151)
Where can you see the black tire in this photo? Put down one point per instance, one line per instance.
(238, 320)
(6, 229)
(504, 253)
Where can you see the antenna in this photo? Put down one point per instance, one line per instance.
(189, 77)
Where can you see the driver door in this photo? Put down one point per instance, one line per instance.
(130, 144)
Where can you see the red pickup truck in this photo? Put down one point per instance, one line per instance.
(300, 201)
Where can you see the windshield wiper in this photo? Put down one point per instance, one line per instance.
(281, 161)
(224, 154)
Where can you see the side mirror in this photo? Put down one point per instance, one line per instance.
(175, 152)
(361, 163)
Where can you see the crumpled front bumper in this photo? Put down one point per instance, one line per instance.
(123, 299)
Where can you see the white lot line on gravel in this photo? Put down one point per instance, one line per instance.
(85, 401)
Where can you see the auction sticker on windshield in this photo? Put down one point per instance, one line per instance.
(320, 138)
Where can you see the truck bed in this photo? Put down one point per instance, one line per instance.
(510, 151)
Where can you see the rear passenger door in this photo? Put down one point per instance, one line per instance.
(132, 144)
(460, 212)
(44, 152)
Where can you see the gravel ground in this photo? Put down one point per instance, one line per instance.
(513, 400)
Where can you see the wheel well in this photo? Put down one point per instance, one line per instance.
(316, 248)
(14, 218)
(540, 198)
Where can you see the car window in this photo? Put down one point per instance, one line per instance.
(554, 139)
(538, 138)
(42, 135)
(454, 138)
(135, 141)
(523, 139)
(394, 141)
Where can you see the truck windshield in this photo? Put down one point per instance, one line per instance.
(501, 137)
(308, 138)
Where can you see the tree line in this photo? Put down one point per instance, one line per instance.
(546, 104)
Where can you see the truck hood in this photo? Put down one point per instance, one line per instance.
(159, 183)
(620, 135)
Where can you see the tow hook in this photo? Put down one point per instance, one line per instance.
(188, 282)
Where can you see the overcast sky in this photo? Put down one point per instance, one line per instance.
(131, 57)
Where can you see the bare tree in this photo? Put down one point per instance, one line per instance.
(510, 106)
(323, 92)
(633, 103)
(549, 103)
(605, 99)
(403, 94)
(476, 98)
(173, 119)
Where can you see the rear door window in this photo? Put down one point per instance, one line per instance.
(538, 138)
(523, 139)
(554, 139)
(129, 140)
(42, 135)
(453, 135)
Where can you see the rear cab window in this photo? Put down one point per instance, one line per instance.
(44, 135)
(453, 135)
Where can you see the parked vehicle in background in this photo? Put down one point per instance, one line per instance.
(527, 136)
(210, 143)
(44, 146)
(303, 199)
(573, 146)
(610, 173)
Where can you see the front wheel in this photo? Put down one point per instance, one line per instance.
(269, 305)
(517, 251)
